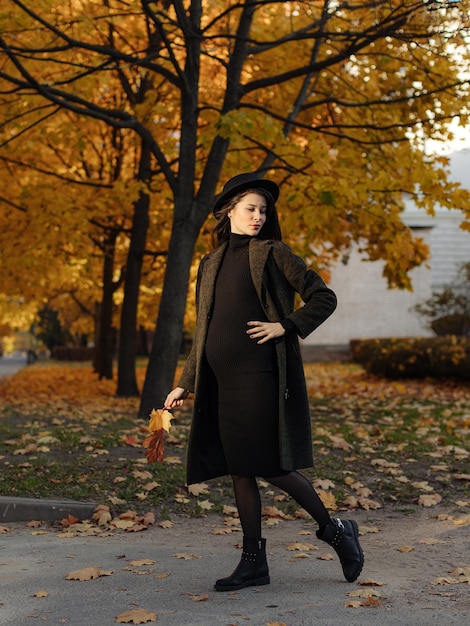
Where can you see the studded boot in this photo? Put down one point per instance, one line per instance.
(252, 569)
(343, 536)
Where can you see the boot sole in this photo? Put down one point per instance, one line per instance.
(355, 528)
(254, 582)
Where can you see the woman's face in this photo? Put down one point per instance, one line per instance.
(248, 216)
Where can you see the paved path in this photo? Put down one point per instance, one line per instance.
(9, 365)
(303, 591)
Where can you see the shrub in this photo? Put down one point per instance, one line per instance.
(437, 357)
(448, 311)
(72, 353)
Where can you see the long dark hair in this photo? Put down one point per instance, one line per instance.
(271, 228)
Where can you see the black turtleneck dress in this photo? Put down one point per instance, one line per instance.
(245, 371)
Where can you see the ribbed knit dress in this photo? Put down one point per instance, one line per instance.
(246, 372)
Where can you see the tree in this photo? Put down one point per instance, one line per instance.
(333, 99)
(69, 202)
(48, 328)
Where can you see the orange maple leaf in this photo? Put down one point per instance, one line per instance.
(155, 446)
(160, 420)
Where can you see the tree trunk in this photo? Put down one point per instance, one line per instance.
(127, 382)
(169, 330)
(104, 346)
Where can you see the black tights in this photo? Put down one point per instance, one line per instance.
(248, 500)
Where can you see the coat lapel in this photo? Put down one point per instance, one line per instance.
(208, 278)
(258, 251)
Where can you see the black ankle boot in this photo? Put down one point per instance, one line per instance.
(344, 538)
(252, 569)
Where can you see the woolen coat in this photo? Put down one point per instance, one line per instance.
(277, 275)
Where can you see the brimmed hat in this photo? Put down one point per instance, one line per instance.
(240, 183)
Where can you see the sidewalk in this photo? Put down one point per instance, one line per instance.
(303, 591)
(9, 365)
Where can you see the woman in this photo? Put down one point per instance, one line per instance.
(251, 414)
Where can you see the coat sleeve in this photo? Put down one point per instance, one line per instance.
(188, 377)
(319, 300)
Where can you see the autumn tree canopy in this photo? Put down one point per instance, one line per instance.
(333, 99)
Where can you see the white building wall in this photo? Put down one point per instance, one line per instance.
(367, 308)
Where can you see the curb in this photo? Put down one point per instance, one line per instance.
(29, 509)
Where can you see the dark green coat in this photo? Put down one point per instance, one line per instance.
(277, 275)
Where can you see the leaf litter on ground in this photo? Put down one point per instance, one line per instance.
(376, 441)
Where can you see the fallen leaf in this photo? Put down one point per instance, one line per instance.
(132, 440)
(364, 593)
(353, 604)
(123, 524)
(173, 460)
(461, 571)
(142, 474)
(180, 497)
(443, 580)
(88, 573)
(405, 549)
(272, 511)
(302, 547)
(229, 510)
(116, 501)
(196, 598)
(370, 583)
(198, 489)
(166, 524)
(323, 483)
(429, 499)
(423, 485)
(326, 557)
(139, 562)
(340, 442)
(205, 505)
(136, 616)
(368, 504)
(186, 556)
(328, 498)
(41, 594)
(148, 518)
(69, 521)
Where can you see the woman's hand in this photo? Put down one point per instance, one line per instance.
(175, 398)
(265, 331)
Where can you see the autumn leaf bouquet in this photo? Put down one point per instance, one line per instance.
(160, 420)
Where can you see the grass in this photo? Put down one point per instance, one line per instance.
(63, 434)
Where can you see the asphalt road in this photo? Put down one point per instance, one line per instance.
(178, 591)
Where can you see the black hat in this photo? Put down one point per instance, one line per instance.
(240, 183)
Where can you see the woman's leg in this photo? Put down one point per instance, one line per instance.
(253, 567)
(248, 503)
(303, 492)
(343, 536)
